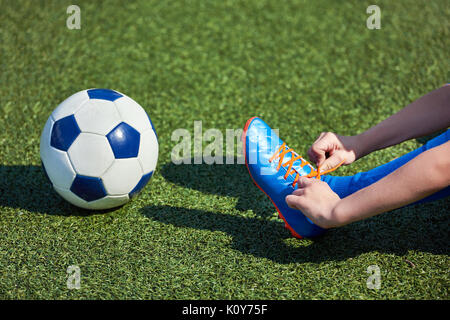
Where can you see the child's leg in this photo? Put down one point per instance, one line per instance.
(345, 186)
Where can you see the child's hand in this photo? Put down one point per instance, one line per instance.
(315, 199)
(330, 149)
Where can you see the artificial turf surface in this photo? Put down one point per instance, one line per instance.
(205, 231)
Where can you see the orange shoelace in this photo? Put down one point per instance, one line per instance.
(283, 150)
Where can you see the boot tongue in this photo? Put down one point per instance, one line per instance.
(303, 171)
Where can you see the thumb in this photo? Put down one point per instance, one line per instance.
(332, 162)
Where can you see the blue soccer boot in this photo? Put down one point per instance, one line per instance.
(275, 169)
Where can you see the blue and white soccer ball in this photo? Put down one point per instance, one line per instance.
(99, 148)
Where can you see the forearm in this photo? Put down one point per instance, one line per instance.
(426, 115)
(424, 175)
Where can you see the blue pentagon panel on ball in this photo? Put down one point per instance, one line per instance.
(64, 133)
(124, 141)
(141, 184)
(105, 94)
(88, 188)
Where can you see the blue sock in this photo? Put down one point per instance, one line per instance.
(345, 186)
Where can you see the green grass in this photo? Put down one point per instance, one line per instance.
(200, 231)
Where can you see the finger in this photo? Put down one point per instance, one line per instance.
(298, 192)
(317, 153)
(312, 156)
(332, 162)
(294, 202)
(321, 148)
(290, 200)
(303, 182)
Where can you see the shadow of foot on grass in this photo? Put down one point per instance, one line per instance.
(228, 180)
(26, 187)
(422, 227)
